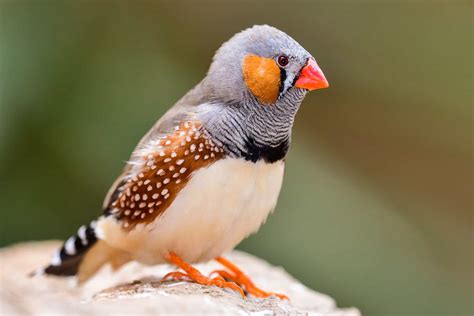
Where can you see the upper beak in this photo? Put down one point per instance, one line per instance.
(311, 77)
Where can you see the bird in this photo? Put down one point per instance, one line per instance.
(208, 173)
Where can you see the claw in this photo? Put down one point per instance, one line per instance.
(243, 280)
(193, 274)
(178, 276)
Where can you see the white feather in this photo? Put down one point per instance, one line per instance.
(220, 206)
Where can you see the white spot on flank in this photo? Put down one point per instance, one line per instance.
(155, 196)
(144, 197)
(173, 154)
(179, 162)
(167, 196)
(168, 142)
(143, 215)
(178, 181)
(193, 147)
(160, 172)
(182, 170)
(164, 191)
(188, 139)
(137, 197)
(171, 168)
(162, 153)
(206, 157)
(158, 185)
(149, 188)
(142, 205)
(167, 160)
(186, 152)
(176, 175)
(146, 182)
(197, 157)
(166, 181)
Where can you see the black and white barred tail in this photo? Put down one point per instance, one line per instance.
(67, 259)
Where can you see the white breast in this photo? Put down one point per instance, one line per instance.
(220, 206)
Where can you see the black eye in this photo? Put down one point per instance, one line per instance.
(282, 60)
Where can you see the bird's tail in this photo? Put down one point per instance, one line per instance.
(83, 254)
(67, 259)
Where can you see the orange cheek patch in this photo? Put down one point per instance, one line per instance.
(262, 77)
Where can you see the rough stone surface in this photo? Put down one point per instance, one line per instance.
(137, 289)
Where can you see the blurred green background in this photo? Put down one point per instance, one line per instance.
(376, 207)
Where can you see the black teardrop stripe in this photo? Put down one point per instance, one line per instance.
(282, 79)
(69, 262)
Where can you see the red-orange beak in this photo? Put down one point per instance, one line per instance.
(311, 77)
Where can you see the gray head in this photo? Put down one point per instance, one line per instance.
(256, 83)
(262, 60)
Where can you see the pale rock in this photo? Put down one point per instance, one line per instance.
(137, 289)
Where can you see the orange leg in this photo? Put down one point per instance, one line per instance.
(243, 280)
(193, 274)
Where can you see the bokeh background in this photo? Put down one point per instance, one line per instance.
(376, 207)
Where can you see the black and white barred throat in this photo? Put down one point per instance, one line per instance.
(254, 131)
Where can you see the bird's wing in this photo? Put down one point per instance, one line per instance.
(176, 114)
(160, 167)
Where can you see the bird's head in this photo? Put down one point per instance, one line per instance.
(264, 64)
(254, 88)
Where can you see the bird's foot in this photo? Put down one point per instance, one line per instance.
(191, 273)
(177, 276)
(236, 275)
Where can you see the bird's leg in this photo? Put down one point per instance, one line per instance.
(193, 274)
(238, 276)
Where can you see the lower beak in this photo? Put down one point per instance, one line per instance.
(311, 77)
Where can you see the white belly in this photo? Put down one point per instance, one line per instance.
(220, 206)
